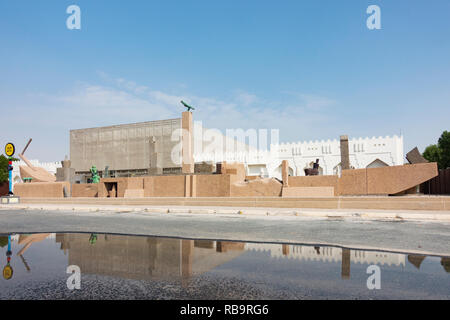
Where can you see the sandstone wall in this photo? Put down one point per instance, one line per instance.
(315, 181)
(42, 189)
(257, 188)
(216, 185)
(386, 180)
(85, 190)
(231, 183)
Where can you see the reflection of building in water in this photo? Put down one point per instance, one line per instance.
(329, 254)
(145, 258)
(27, 240)
(16, 237)
(445, 262)
(416, 260)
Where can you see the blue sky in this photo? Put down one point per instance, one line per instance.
(310, 68)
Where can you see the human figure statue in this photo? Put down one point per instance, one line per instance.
(314, 171)
(95, 176)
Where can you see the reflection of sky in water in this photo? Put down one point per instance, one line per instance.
(275, 270)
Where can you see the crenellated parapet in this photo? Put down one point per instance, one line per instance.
(327, 254)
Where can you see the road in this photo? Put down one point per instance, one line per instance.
(397, 236)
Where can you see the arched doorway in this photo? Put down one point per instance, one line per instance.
(377, 163)
(337, 170)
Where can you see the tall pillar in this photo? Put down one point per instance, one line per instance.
(285, 172)
(345, 267)
(187, 186)
(190, 186)
(193, 186)
(285, 249)
(345, 157)
(187, 252)
(187, 143)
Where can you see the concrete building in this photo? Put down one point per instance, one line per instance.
(145, 148)
(138, 148)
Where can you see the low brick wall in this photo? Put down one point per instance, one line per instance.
(257, 188)
(371, 181)
(85, 190)
(231, 183)
(218, 185)
(385, 180)
(298, 192)
(315, 181)
(164, 186)
(42, 189)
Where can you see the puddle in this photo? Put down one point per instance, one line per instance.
(141, 267)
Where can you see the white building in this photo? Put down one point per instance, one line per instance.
(364, 153)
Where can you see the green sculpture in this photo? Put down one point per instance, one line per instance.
(95, 176)
(187, 106)
(93, 238)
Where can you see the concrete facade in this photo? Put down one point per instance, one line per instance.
(65, 173)
(136, 146)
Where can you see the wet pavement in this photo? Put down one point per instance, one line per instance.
(149, 267)
(428, 238)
